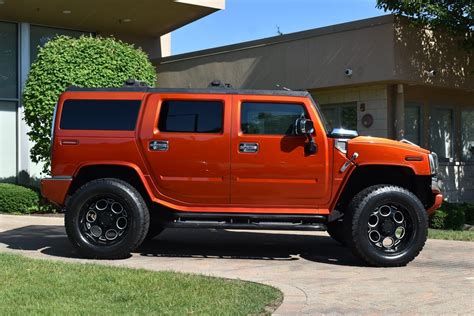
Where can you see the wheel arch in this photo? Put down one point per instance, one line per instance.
(367, 175)
(129, 173)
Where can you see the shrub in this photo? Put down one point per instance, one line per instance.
(438, 219)
(18, 199)
(469, 213)
(85, 62)
(452, 216)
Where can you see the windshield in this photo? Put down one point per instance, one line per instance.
(326, 124)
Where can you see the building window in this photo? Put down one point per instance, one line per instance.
(191, 116)
(341, 115)
(442, 133)
(413, 119)
(467, 134)
(269, 118)
(8, 60)
(8, 100)
(40, 35)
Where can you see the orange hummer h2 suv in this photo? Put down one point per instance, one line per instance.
(129, 162)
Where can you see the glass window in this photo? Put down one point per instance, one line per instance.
(191, 116)
(40, 35)
(269, 118)
(441, 132)
(467, 134)
(8, 60)
(413, 123)
(112, 115)
(7, 141)
(331, 115)
(341, 115)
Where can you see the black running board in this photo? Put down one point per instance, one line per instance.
(250, 225)
(314, 222)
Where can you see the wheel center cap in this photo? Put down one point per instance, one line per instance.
(387, 227)
(107, 219)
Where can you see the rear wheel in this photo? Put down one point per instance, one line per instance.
(388, 225)
(106, 219)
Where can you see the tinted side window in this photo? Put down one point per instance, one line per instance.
(269, 118)
(191, 116)
(110, 115)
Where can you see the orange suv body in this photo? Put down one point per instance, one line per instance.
(236, 158)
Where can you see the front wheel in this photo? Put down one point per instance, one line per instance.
(106, 219)
(388, 226)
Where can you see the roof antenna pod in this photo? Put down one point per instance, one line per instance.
(134, 83)
(219, 84)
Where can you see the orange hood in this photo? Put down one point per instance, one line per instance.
(368, 140)
(382, 151)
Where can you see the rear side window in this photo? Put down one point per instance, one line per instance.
(191, 116)
(109, 115)
(269, 118)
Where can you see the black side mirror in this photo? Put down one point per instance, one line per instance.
(304, 126)
(310, 148)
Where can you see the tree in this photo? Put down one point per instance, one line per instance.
(84, 62)
(454, 16)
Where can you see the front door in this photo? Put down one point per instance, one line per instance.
(269, 167)
(187, 147)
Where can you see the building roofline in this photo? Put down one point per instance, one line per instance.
(321, 31)
(193, 91)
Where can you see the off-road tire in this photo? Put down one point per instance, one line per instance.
(136, 208)
(337, 232)
(361, 208)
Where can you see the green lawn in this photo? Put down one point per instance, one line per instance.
(464, 235)
(29, 286)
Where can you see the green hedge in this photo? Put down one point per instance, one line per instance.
(453, 216)
(17, 199)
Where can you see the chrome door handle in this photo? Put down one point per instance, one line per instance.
(248, 147)
(158, 145)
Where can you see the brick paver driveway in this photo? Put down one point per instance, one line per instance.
(315, 273)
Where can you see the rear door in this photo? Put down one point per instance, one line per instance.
(269, 164)
(186, 140)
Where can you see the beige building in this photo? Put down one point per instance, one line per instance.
(380, 76)
(27, 24)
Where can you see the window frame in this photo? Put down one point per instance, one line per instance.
(243, 102)
(338, 107)
(160, 108)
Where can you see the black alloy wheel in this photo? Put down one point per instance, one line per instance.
(387, 225)
(106, 219)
